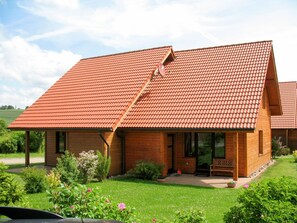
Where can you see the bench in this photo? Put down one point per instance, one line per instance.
(222, 165)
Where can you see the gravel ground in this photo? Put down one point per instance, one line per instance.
(21, 160)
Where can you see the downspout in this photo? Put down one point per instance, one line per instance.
(123, 151)
(105, 142)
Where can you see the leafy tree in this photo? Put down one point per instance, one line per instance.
(3, 127)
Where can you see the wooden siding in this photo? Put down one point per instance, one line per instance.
(78, 141)
(254, 159)
(144, 146)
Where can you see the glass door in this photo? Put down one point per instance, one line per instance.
(204, 153)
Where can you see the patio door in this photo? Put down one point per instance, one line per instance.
(170, 153)
(204, 153)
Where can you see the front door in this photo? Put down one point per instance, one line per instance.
(204, 153)
(170, 153)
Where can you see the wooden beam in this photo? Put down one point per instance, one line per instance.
(287, 137)
(27, 148)
(45, 148)
(235, 147)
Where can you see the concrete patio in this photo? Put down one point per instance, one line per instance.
(213, 181)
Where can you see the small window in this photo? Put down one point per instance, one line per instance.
(60, 142)
(219, 145)
(260, 142)
(189, 144)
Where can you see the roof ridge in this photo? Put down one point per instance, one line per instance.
(221, 46)
(132, 51)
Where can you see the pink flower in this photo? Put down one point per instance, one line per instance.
(179, 172)
(89, 190)
(72, 206)
(246, 186)
(122, 206)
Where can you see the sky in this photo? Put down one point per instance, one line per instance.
(40, 40)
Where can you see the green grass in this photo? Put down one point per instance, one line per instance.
(157, 200)
(20, 155)
(10, 114)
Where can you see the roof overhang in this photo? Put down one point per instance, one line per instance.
(62, 129)
(271, 84)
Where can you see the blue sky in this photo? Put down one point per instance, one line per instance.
(41, 39)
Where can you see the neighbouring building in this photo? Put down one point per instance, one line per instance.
(285, 126)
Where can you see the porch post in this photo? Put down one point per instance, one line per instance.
(45, 148)
(287, 137)
(27, 148)
(235, 146)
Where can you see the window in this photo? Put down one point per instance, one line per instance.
(190, 144)
(219, 145)
(60, 142)
(260, 142)
(200, 141)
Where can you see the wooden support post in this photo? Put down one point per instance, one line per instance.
(27, 149)
(235, 147)
(45, 148)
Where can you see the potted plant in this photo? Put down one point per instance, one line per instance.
(231, 184)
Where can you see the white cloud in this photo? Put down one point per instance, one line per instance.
(29, 70)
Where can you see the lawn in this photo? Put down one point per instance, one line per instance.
(10, 114)
(156, 200)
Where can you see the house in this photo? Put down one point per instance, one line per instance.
(285, 126)
(179, 108)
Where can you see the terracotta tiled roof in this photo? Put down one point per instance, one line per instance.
(95, 93)
(288, 120)
(211, 88)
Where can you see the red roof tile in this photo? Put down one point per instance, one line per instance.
(211, 88)
(95, 93)
(288, 92)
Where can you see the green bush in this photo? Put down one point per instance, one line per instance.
(35, 179)
(190, 216)
(271, 200)
(87, 164)
(36, 139)
(53, 180)
(19, 137)
(11, 192)
(295, 155)
(147, 170)
(278, 149)
(103, 166)
(3, 127)
(78, 201)
(8, 144)
(67, 168)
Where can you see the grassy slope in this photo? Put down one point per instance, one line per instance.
(10, 115)
(158, 200)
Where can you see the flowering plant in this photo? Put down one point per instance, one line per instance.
(78, 201)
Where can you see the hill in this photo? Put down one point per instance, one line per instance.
(10, 114)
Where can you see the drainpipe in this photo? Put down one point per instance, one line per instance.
(123, 151)
(107, 145)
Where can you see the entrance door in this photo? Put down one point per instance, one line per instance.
(204, 153)
(170, 153)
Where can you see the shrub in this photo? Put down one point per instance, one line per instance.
(8, 144)
(67, 168)
(35, 179)
(53, 179)
(87, 163)
(36, 139)
(3, 127)
(278, 149)
(147, 170)
(190, 216)
(295, 155)
(272, 200)
(78, 201)
(10, 191)
(19, 137)
(103, 166)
